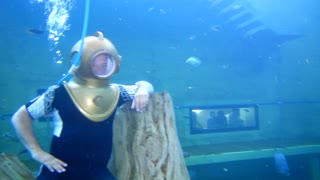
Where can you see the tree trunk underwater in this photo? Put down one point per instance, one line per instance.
(146, 144)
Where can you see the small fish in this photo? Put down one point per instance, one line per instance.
(24, 151)
(307, 61)
(35, 31)
(237, 6)
(9, 137)
(186, 154)
(194, 61)
(162, 11)
(5, 116)
(215, 28)
(281, 164)
(225, 169)
(150, 9)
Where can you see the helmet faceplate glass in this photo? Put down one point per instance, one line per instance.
(102, 65)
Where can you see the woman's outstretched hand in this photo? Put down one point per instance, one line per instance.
(51, 162)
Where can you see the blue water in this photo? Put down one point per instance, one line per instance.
(250, 51)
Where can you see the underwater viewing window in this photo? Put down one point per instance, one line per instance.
(223, 118)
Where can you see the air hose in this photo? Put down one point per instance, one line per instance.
(77, 56)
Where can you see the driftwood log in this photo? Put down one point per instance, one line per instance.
(11, 168)
(146, 144)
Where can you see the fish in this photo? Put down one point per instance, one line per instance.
(5, 116)
(9, 137)
(215, 28)
(35, 31)
(193, 61)
(281, 164)
(186, 154)
(22, 152)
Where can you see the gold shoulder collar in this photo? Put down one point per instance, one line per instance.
(97, 104)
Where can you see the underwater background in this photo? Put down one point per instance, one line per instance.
(261, 52)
